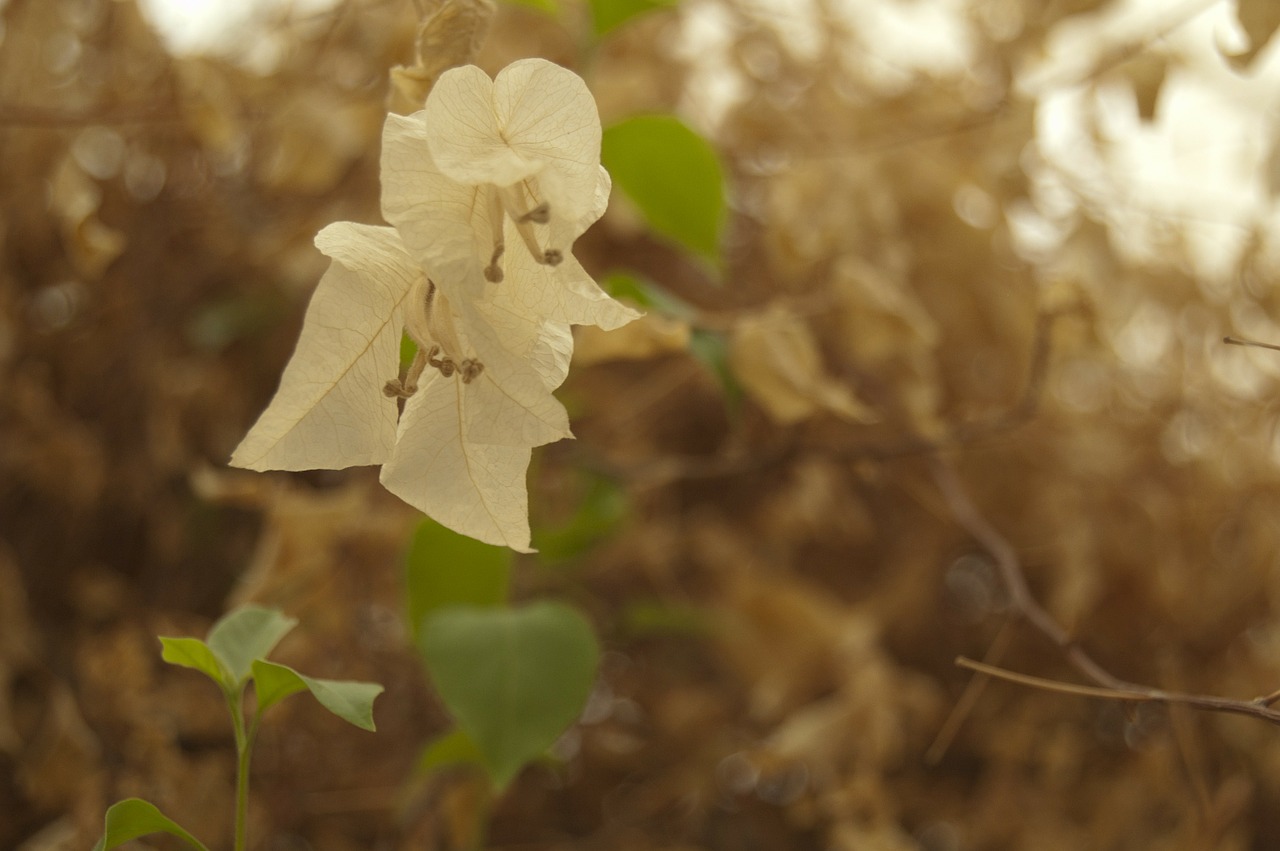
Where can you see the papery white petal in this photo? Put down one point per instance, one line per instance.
(444, 224)
(510, 402)
(552, 353)
(329, 412)
(548, 116)
(563, 293)
(468, 140)
(477, 490)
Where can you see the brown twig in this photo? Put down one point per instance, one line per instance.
(968, 698)
(1023, 604)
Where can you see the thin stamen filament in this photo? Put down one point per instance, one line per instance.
(513, 202)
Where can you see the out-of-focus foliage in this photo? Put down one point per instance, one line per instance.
(514, 678)
(672, 175)
(906, 211)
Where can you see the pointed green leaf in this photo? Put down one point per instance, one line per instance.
(607, 15)
(246, 634)
(194, 653)
(443, 568)
(513, 678)
(134, 817)
(453, 748)
(647, 294)
(272, 683)
(673, 175)
(350, 700)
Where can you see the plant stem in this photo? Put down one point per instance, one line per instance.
(244, 745)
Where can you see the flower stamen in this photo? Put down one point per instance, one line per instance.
(539, 215)
(512, 202)
(493, 272)
(406, 384)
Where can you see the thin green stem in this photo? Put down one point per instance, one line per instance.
(244, 745)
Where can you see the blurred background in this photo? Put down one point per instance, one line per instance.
(1003, 235)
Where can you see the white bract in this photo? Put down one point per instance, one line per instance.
(333, 410)
(488, 164)
(492, 182)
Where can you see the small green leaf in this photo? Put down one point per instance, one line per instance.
(712, 350)
(134, 817)
(350, 700)
(453, 748)
(607, 15)
(599, 513)
(272, 683)
(513, 678)
(194, 653)
(673, 175)
(246, 634)
(648, 295)
(443, 568)
(550, 7)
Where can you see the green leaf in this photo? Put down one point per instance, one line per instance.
(443, 568)
(673, 175)
(607, 15)
(648, 295)
(513, 678)
(711, 349)
(273, 682)
(598, 514)
(246, 634)
(194, 653)
(134, 817)
(350, 700)
(550, 7)
(453, 748)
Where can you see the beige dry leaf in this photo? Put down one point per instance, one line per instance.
(74, 198)
(776, 359)
(650, 336)
(448, 37)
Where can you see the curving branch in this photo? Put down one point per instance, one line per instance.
(1024, 605)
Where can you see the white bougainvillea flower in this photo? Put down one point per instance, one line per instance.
(460, 448)
(494, 180)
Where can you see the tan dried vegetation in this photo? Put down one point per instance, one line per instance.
(783, 604)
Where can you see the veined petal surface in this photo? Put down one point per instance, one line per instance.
(475, 489)
(329, 412)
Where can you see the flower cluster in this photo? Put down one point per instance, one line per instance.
(486, 189)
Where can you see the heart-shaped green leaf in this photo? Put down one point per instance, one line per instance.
(513, 678)
(350, 700)
(246, 634)
(134, 817)
(444, 568)
(453, 748)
